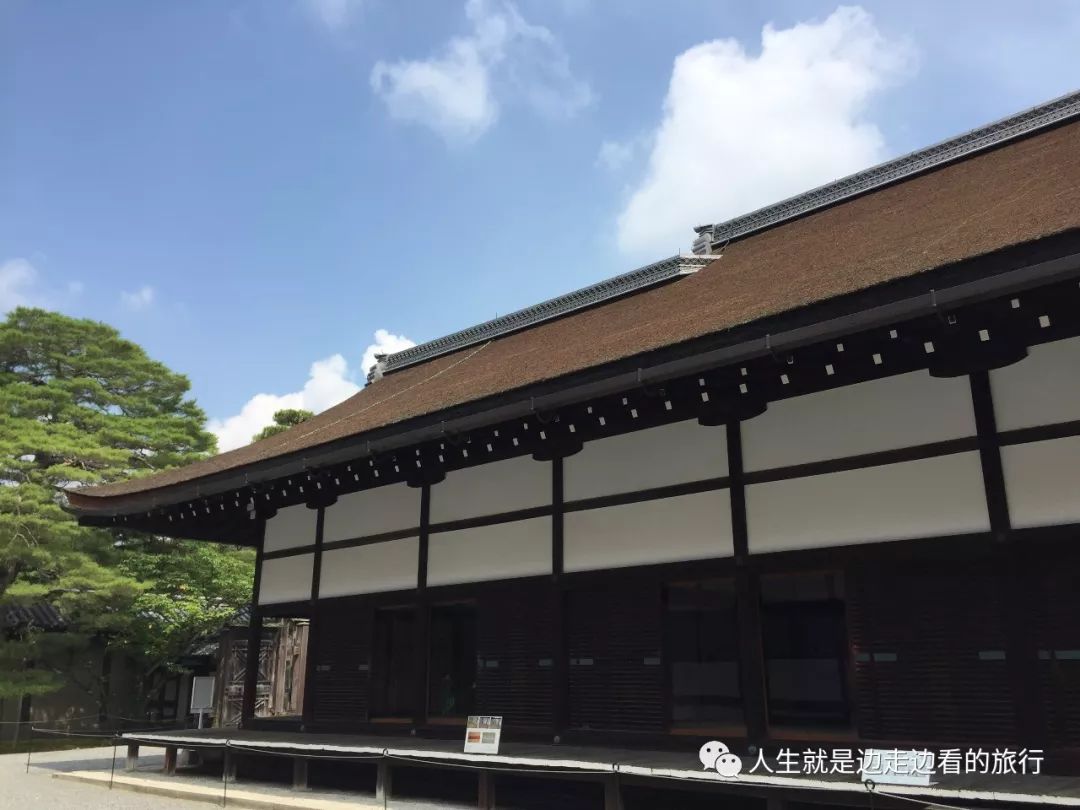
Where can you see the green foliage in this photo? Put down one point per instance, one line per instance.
(80, 405)
(192, 589)
(17, 679)
(40, 745)
(283, 420)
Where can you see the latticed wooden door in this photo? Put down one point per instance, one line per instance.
(342, 662)
(929, 648)
(615, 637)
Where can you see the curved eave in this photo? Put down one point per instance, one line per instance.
(828, 320)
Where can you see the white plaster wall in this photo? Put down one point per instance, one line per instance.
(488, 489)
(1041, 389)
(686, 527)
(656, 457)
(287, 579)
(936, 496)
(387, 566)
(1042, 482)
(893, 412)
(372, 511)
(502, 551)
(291, 527)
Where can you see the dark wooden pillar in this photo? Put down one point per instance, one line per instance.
(310, 690)
(612, 793)
(486, 791)
(747, 600)
(1015, 576)
(22, 715)
(751, 655)
(420, 631)
(990, 456)
(384, 790)
(299, 773)
(170, 760)
(228, 769)
(251, 671)
(132, 760)
(560, 673)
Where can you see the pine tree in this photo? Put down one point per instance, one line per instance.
(283, 420)
(81, 405)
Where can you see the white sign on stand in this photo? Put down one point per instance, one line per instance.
(482, 734)
(202, 696)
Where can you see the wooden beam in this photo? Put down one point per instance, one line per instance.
(132, 760)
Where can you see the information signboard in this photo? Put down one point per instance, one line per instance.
(482, 734)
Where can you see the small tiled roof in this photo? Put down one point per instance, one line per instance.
(1017, 193)
(40, 616)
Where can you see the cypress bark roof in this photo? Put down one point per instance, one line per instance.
(1019, 192)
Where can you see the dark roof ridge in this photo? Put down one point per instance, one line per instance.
(606, 290)
(940, 154)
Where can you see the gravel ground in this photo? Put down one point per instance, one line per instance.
(38, 789)
(19, 789)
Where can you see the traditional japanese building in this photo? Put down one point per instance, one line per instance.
(815, 485)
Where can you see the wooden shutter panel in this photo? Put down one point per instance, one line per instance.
(929, 655)
(616, 676)
(1056, 625)
(515, 655)
(342, 662)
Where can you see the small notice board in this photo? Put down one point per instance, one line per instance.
(202, 696)
(482, 734)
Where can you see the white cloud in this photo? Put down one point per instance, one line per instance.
(458, 92)
(334, 14)
(615, 155)
(18, 282)
(385, 343)
(329, 382)
(139, 300)
(22, 285)
(742, 130)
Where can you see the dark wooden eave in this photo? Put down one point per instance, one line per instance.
(927, 299)
(855, 255)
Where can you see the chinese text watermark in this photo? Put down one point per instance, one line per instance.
(872, 762)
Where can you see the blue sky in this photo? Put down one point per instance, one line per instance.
(252, 189)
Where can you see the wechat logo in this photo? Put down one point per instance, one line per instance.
(716, 756)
